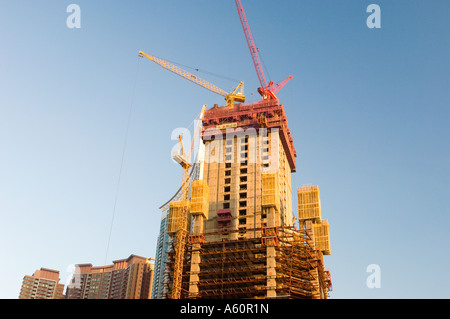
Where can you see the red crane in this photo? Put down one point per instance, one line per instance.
(267, 90)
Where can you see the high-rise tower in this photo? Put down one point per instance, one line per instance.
(243, 242)
(130, 278)
(43, 284)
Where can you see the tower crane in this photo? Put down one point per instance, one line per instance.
(230, 97)
(182, 158)
(181, 232)
(180, 235)
(268, 91)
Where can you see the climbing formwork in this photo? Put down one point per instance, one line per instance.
(308, 200)
(322, 236)
(270, 191)
(178, 216)
(200, 198)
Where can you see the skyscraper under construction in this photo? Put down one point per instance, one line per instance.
(231, 228)
(240, 239)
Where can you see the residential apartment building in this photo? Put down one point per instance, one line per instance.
(130, 278)
(43, 284)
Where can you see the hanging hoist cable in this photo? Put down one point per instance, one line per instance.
(130, 111)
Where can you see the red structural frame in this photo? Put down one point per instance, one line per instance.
(263, 114)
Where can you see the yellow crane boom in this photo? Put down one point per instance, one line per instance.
(236, 96)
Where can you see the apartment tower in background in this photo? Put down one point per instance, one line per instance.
(130, 278)
(43, 284)
(162, 248)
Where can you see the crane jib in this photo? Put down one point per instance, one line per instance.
(230, 98)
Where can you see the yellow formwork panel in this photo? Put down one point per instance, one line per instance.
(322, 236)
(179, 218)
(200, 198)
(308, 200)
(270, 191)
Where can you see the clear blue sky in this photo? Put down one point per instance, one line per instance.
(368, 110)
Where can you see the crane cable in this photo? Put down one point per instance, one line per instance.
(122, 160)
(204, 71)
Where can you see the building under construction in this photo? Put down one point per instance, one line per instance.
(240, 239)
(231, 225)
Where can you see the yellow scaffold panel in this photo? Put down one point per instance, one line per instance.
(322, 236)
(200, 198)
(270, 191)
(179, 218)
(308, 200)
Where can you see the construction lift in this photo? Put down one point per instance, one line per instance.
(236, 96)
(268, 91)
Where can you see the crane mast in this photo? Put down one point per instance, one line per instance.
(251, 44)
(181, 233)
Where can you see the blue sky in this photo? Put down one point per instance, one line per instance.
(368, 110)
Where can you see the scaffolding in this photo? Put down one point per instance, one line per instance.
(200, 198)
(308, 200)
(238, 269)
(178, 227)
(309, 211)
(270, 191)
(322, 236)
(178, 217)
